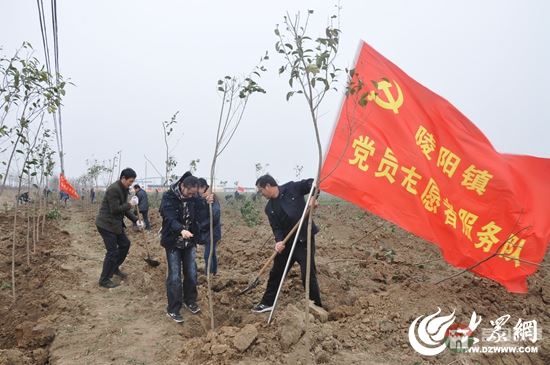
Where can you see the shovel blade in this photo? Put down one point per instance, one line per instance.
(151, 262)
(254, 283)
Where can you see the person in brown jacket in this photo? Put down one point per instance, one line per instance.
(110, 225)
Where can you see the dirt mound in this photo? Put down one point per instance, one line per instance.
(28, 322)
(373, 286)
(375, 279)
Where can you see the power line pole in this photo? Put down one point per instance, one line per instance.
(119, 161)
(145, 176)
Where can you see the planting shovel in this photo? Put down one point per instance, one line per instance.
(256, 280)
(148, 260)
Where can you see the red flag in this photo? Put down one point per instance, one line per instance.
(66, 186)
(406, 154)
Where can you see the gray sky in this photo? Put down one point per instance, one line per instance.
(135, 63)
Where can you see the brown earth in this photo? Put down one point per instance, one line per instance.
(373, 287)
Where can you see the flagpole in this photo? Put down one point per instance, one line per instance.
(291, 251)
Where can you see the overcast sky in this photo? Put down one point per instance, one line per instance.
(134, 63)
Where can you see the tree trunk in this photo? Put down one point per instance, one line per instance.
(14, 240)
(28, 211)
(211, 244)
(36, 220)
(44, 210)
(33, 224)
(310, 222)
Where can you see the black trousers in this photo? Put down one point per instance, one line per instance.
(117, 246)
(276, 273)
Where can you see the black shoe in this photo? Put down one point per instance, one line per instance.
(107, 284)
(121, 275)
(193, 308)
(176, 317)
(260, 308)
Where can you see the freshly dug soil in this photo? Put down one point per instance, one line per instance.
(375, 280)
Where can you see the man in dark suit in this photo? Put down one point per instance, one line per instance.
(110, 225)
(284, 209)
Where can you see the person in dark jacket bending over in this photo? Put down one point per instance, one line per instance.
(179, 235)
(110, 226)
(284, 209)
(204, 225)
(143, 205)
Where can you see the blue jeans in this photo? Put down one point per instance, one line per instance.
(181, 260)
(214, 263)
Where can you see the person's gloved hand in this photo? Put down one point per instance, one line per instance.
(140, 225)
(134, 201)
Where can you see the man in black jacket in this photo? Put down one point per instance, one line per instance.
(284, 209)
(179, 233)
(110, 226)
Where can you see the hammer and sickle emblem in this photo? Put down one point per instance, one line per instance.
(390, 102)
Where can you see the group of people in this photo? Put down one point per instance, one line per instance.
(91, 195)
(185, 210)
(64, 196)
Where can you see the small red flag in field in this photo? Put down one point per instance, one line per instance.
(406, 154)
(66, 186)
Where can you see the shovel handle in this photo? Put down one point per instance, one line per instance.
(137, 211)
(267, 263)
(146, 243)
(285, 241)
(295, 228)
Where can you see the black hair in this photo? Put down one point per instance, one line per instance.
(190, 182)
(184, 176)
(203, 183)
(128, 173)
(137, 186)
(266, 179)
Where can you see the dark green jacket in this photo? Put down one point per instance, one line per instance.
(113, 209)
